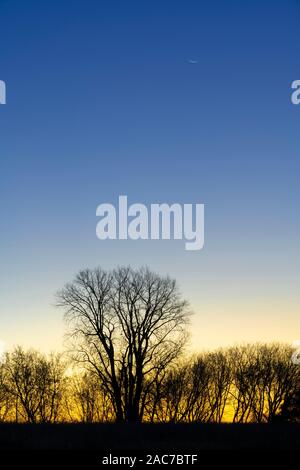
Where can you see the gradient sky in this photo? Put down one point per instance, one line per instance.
(102, 100)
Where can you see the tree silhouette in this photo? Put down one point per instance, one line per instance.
(264, 378)
(35, 385)
(127, 326)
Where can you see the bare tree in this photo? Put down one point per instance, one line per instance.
(196, 390)
(36, 385)
(264, 377)
(169, 402)
(198, 400)
(52, 386)
(128, 326)
(6, 401)
(290, 409)
(182, 394)
(220, 378)
(86, 401)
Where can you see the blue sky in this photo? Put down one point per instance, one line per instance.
(102, 100)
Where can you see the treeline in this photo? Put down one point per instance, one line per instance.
(251, 383)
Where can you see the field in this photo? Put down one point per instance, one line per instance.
(92, 445)
(100, 437)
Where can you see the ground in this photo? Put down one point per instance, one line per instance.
(164, 437)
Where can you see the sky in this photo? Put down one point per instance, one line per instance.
(162, 101)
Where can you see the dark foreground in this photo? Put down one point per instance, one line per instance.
(90, 443)
(149, 436)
